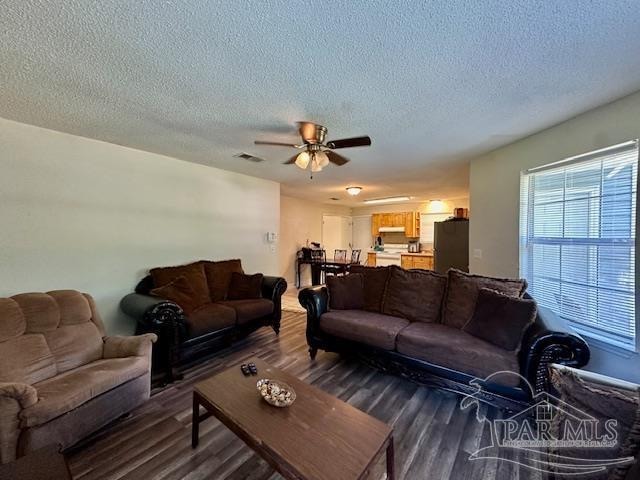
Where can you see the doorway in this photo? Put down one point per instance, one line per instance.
(337, 233)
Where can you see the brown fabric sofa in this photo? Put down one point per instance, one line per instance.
(61, 377)
(412, 322)
(198, 321)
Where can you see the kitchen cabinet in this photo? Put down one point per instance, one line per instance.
(410, 221)
(422, 261)
(375, 224)
(371, 259)
(412, 224)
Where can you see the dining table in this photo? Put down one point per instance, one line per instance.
(318, 266)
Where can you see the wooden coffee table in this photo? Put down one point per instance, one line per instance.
(318, 437)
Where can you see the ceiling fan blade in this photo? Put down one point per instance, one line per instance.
(336, 159)
(350, 142)
(279, 144)
(291, 160)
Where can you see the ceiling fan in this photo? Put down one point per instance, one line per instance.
(315, 152)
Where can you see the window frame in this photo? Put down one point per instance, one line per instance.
(595, 336)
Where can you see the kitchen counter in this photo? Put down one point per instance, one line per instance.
(419, 254)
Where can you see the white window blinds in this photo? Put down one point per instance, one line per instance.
(578, 241)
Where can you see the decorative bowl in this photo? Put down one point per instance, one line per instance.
(276, 393)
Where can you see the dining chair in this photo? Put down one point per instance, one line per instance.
(319, 257)
(340, 255)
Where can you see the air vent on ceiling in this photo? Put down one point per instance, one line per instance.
(248, 156)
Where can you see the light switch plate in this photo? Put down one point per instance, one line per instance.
(477, 253)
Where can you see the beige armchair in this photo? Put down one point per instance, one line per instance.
(61, 377)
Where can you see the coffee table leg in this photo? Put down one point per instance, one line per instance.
(390, 461)
(195, 421)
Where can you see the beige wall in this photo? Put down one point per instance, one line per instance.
(88, 215)
(301, 220)
(494, 192)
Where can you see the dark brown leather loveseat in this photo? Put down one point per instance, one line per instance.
(434, 348)
(191, 310)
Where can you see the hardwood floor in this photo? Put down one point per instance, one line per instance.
(434, 438)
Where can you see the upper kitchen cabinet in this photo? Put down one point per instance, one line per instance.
(404, 222)
(412, 224)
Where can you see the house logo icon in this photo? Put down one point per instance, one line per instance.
(549, 436)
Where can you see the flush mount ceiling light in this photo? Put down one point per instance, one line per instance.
(387, 200)
(436, 206)
(353, 191)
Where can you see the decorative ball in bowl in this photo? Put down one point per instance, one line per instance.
(276, 393)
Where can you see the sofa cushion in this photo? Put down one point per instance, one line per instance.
(452, 348)
(603, 403)
(40, 311)
(71, 389)
(500, 319)
(462, 292)
(375, 282)
(414, 294)
(193, 272)
(73, 307)
(66, 430)
(75, 345)
(26, 359)
(244, 287)
(180, 292)
(209, 318)
(219, 277)
(12, 320)
(346, 292)
(374, 329)
(248, 310)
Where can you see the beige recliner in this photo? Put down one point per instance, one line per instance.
(61, 377)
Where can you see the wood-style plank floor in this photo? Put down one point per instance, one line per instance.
(434, 438)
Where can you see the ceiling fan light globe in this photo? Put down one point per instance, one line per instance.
(322, 159)
(302, 160)
(315, 166)
(353, 191)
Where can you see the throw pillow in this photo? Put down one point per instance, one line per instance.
(180, 292)
(462, 292)
(414, 294)
(601, 402)
(193, 273)
(219, 277)
(244, 287)
(500, 319)
(346, 292)
(375, 282)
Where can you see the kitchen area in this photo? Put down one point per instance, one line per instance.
(413, 239)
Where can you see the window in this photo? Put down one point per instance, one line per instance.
(578, 241)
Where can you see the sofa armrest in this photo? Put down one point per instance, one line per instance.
(25, 395)
(273, 288)
(154, 314)
(550, 340)
(14, 397)
(136, 346)
(315, 300)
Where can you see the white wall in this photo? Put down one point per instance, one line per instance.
(495, 185)
(92, 216)
(301, 221)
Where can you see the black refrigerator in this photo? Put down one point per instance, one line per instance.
(451, 245)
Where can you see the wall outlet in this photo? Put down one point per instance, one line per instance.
(477, 253)
(272, 247)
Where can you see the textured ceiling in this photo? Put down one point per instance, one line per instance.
(431, 82)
